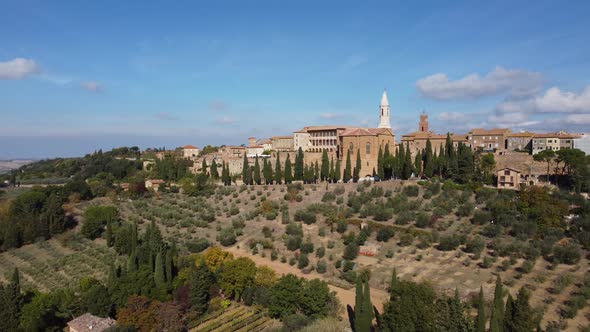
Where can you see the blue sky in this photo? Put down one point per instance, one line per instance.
(76, 76)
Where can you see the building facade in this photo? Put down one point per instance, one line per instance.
(190, 151)
(282, 143)
(416, 141)
(367, 141)
(488, 139)
(552, 141)
(582, 142)
(508, 178)
(520, 141)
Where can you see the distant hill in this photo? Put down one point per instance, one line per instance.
(8, 165)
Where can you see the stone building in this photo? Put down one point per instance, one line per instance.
(509, 178)
(318, 138)
(488, 139)
(520, 141)
(190, 151)
(90, 323)
(282, 143)
(582, 142)
(367, 141)
(416, 141)
(552, 141)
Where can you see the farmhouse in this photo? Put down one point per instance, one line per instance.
(90, 323)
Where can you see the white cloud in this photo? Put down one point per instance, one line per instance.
(516, 82)
(331, 115)
(577, 119)
(92, 86)
(556, 101)
(17, 69)
(452, 116)
(225, 120)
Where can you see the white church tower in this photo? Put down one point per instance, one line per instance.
(384, 115)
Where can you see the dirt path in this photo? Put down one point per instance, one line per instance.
(346, 296)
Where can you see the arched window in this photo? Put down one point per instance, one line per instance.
(351, 148)
(368, 148)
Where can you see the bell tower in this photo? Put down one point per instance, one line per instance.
(423, 122)
(384, 121)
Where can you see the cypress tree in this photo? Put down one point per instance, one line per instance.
(278, 172)
(298, 174)
(159, 274)
(363, 310)
(337, 171)
(357, 168)
(134, 237)
(288, 172)
(347, 171)
(480, 322)
(509, 314)
(200, 284)
(400, 157)
(380, 168)
(458, 320)
(213, 170)
(406, 163)
(109, 233)
(169, 267)
(204, 166)
(11, 301)
(325, 172)
(418, 164)
(497, 318)
(428, 160)
(256, 171)
(132, 262)
(522, 317)
(367, 306)
(316, 172)
(246, 170)
(388, 163)
(332, 172)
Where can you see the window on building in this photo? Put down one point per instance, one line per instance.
(368, 148)
(351, 147)
(506, 172)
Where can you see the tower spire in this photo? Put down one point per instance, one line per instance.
(384, 111)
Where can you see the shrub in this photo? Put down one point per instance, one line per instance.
(294, 242)
(411, 191)
(527, 266)
(329, 197)
(482, 217)
(384, 234)
(351, 251)
(474, 245)
(491, 230)
(404, 218)
(382, 213)
(566, 254)
(448, 243)
(422, 220)
(339, 190)
(198, 245)
(341, 226)
(487, 262)
(227, 237)
(406, 239)
(307, 247)
(306, 216)
(303, 261)
(320, 252)
(465, 210)
(321, 266)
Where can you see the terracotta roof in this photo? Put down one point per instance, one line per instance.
(555, 135)
(316, 128)
(366, 131)
(431, 135)
(282, 137)
(189, 147)
(235, 147)
(264, 141)
(91, 323)
(510, 168)
(495, 131)
(525, 134)
(156, 181)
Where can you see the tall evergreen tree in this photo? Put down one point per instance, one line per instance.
(509, 314)
(497, 318)
(347, 169)
(201, 279)
(256, 170)
(418, 164)
(267, 172)
(400, 158)
(332, 172)
(380, 168)
(299, 161)
(406, 171)
(213, 170)
(288, 172)
(316, 172)
(159, 274)
(109, 233)
(523, 316)
(428, 160)
(357, 169)
(204, 166)
(337, 171)
(480, 322)
(11, 301)
(169, 267)
(278, 172)
(325, 170)
(363, 309)
(246, 170)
